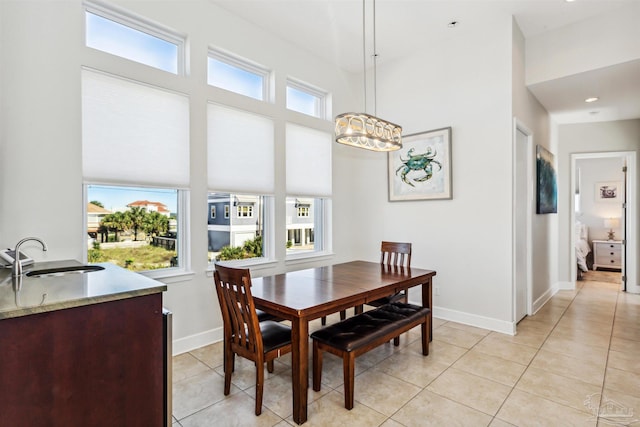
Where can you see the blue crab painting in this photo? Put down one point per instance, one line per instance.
(418, 162)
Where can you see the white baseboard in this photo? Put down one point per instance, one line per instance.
(183, 345)
(475, 320)
(542, 300)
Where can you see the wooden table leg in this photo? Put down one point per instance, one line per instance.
(427, 301)
(300, 368)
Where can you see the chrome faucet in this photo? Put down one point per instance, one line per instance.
(17, 264)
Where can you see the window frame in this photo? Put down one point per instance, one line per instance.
(138, 23)
(322, 232)
(183, 239)
(245, 65)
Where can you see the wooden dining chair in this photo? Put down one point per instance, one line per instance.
(244, 334)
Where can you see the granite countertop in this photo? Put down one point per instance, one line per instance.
(55, 292)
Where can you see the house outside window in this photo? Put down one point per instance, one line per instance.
(240, 236)
(212, 212)
(303, 211)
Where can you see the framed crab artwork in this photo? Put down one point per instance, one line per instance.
(421, 169)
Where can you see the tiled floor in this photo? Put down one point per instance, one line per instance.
(580, 352)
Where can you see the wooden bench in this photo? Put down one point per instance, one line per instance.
(357, 335)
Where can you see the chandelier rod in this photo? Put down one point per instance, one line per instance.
(364, 54)
(375, 60)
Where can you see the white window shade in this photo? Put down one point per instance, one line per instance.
(133, 132)
(240, 151)
(308, 161)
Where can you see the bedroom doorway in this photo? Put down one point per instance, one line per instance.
(591, 172)
(523, 196)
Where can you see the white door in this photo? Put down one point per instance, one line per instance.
(522, 217)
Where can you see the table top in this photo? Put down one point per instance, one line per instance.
(315, 291)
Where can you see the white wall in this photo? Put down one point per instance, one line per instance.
(465, 83)
(592, 211)
(40, 166)
(532, 114)
(615, 136)
(605, 40)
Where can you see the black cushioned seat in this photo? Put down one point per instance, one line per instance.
(274, 334)
(359, 330)
(358, 334)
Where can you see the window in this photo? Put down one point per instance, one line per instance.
(131, 38)
(245, 211)
(145, 197)
(308, 171)
(306, 99)
(226, 211)
(212, 212)
(237, 75)
(240, 236)
(135, 228)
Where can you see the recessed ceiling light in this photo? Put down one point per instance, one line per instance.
(452, 24)
(593, 113)
(591, 99)
(569, 1)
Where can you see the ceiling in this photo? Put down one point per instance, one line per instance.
(332, 30)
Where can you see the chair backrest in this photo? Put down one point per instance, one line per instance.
(242, 328)
(395, 254)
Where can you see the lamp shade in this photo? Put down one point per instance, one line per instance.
(612, 222)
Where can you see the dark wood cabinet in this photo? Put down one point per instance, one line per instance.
(94, 365)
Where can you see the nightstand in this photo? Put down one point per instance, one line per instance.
(607, 254)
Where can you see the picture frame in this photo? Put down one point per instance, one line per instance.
(608, 191)
(421, 169)
(547, 183)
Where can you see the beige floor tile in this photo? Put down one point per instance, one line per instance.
(526, 325)
(569, 367)
(529, 337)
(626, 361)
(235, 410)
(211, 355)
(500, 345)
(456, 336)
(186, 366)
(527, 410)
(439, 351)
(476, 392)
(622, 381)
(430, 409)
(576, 349)
(329, 410)
(594, 338)
(496, 422)
(562, 390)
(383, 392)
(412, 367)
(198, 392)
(391, 423)
(278, 394)
(620, 407)
(490, 367)
(244, 374)
(628, 346)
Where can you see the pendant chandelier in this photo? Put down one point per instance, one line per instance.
(363, 130)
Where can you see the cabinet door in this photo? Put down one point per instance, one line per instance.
(96, 365)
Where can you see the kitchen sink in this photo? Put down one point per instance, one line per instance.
(59, 271)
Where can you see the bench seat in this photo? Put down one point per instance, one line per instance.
(357, 335)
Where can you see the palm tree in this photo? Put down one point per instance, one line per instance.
(117, 222)
(97, 203)
(155, 223)
(136, 216)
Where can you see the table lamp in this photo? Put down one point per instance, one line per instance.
(611, 223)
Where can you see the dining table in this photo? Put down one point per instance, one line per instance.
(304, 295)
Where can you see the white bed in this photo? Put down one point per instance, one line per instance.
(582, 246)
